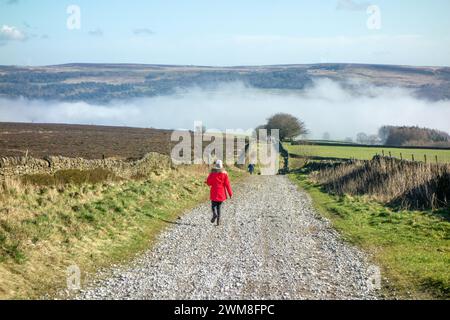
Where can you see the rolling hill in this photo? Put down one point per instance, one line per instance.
(102, 83)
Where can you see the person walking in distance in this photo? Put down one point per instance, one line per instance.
(251, 168)
(220, 189)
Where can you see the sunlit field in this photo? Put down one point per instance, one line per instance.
(367, 153)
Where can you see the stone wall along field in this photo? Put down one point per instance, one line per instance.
(18, 166)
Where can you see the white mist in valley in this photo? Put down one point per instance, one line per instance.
(324, 107)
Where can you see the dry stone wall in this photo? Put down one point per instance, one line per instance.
(18, 166)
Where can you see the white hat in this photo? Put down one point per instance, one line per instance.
(218, 164)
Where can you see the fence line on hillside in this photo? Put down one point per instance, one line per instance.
(307, 143)
(413, 159)
(409, 158)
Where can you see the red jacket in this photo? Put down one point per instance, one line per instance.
(220, 186)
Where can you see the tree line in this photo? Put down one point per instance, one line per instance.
(413, 136)
(406, 136)
(291, 128)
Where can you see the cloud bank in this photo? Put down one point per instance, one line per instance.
(324, 107)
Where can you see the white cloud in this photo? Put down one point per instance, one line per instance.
(325, 107)
(11, 33)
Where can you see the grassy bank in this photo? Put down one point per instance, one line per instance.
(44, 229)
(366, 153)
(411, 247)
(404, 184)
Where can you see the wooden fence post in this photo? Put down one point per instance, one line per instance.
(436, 159)
(412, 157)
(401, 156)
(425, 157)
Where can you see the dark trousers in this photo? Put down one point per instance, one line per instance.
(215, 205)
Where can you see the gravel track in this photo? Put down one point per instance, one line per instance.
(270, 245)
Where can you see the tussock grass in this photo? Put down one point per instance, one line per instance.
(412, 247)
(408, 185)
(70, 176)
(89, 220)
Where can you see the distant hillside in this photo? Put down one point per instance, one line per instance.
(104, 82)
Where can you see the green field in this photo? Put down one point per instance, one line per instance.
(366, 153)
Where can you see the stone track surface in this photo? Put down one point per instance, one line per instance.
(271, 244)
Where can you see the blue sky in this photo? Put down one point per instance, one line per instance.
(211, 32)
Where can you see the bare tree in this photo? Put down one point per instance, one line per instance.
(362, 138)
(373, 139)
(326, 136)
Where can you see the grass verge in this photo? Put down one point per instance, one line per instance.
(411, 247)
(44, 229)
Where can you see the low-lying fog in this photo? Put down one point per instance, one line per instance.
(324, 107)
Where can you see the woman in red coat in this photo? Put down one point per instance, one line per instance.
(220, 187)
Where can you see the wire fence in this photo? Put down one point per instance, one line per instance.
(411, 157)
